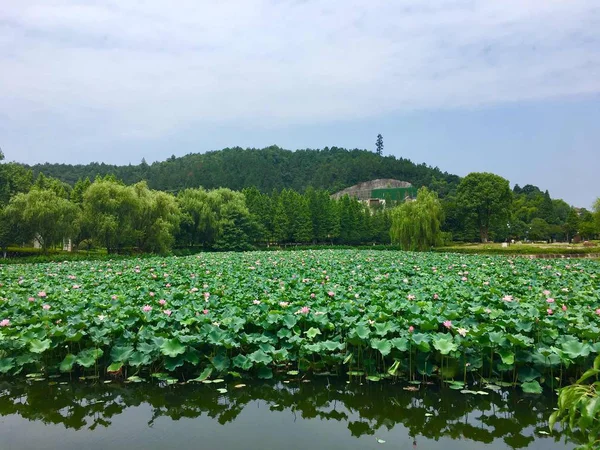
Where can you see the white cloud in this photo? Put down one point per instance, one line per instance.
(147, 69)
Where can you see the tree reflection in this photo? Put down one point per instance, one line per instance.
(430, 413)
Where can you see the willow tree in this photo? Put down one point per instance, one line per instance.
(416, 225)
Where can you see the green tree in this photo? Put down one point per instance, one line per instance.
(109, 213)
(539, 230)
(44, 216)
(61, 188)
(486, 199)
(157, 219)
(14, 178)
(210, 218)
(571, 225)
(379, 145)
(79, 189)
(417, 225)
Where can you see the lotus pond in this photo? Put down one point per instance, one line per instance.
(324, 413)
(458, 320)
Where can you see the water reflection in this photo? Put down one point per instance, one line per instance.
(503, 419)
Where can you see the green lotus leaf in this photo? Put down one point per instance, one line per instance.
(260, 357)
(6, 364)
(312, 332)
(38, 346)
(383, 345)
(575, 349)
(67, 364)
(172, 347)
(531, 387)
(87, 358)
(121, 354)
(221, 362)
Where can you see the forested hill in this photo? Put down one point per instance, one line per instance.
(267, 169)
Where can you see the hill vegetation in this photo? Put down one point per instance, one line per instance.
(237, 199)
(266, 169)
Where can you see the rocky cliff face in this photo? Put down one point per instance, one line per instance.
(362, 191)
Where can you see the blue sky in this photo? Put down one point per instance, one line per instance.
(507, 86)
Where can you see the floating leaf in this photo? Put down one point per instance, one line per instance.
(531, 387)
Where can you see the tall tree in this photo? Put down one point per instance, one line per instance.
(417, 225)
(44, 216)
(571, 225)
(379, 145)
(486, 200)
(109, 212)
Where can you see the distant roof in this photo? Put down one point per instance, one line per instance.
(363, 191)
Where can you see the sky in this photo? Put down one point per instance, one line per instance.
(504, 86)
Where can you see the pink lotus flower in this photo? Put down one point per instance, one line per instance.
(549, 311)
(464, 278)
(507, 298)
(331, 293)
(436, 297)
(76, 286)
(550, 300)
(598, 311)
(46, 307)
(205, 311)
(206, 296)
(31, 299)
(448, 324)
(147, 308)
(5, 323)
(284, 304)
(410, 297)
(162, 302)
(303, 310)
(168, 285)
(411, 329)
(41, 294)
(312, 295)
(151, 294)
(167, 312)
(564, 308)
(256, 302)
(194, 289)
(488, 310)
(114, 297)
(546, 292)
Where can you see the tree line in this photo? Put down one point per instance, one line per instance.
(116, 215)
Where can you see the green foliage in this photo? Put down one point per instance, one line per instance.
(579, 406)
(379, 145)
(416, 225)
(109, 212)
(269, 168)
(486, 199)
(44, 216)
(271, 312)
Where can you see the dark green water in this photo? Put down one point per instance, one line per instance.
(315, 415)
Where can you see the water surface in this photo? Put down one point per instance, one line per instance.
(321, 414)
